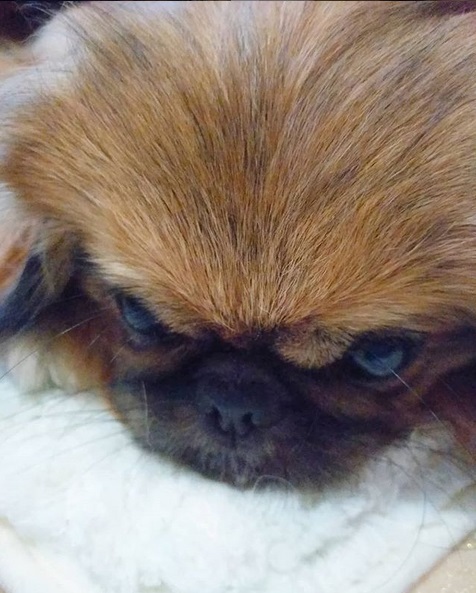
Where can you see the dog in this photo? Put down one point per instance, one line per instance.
(248, 226)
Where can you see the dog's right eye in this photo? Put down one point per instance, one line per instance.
(141, 321)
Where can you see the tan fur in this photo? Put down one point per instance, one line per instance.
(303, 171)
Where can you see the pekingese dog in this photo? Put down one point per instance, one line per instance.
(250, 226)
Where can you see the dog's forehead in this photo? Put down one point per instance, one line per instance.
(263, 178)
(268, 190)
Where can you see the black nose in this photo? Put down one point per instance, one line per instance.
(236, 396)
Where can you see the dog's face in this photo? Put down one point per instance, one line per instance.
(251, 226)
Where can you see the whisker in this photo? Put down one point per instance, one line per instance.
(140, 455)
(419, 397)
(68, 450)
(96, 338)
(275, 479)
(146, 415)
(404, 383)
(118, 352)
(48, 341)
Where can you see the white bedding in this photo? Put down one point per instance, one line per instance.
(83, 509)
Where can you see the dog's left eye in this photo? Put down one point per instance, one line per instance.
(380, 358)
(140, 320)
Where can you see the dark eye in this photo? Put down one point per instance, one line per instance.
(381, 358)
(140, 320)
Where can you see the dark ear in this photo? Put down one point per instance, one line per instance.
(34, 269)
(20, 18)
(433, 8)
(451, 6)
(454, 403)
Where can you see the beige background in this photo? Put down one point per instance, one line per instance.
(456, 574)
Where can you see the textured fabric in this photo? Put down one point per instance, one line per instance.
(82, 509)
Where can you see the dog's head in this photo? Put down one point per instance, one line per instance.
(250, 225)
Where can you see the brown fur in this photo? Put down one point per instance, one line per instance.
(288, 174)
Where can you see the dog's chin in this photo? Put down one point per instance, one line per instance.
(306, 450)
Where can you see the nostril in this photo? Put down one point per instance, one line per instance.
(248, 419)
(231, 423)
(216, 419)
(245, 425)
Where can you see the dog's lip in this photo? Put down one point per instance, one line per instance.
(237, 468)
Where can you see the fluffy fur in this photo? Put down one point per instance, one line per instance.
(274, 182)
(88, 511)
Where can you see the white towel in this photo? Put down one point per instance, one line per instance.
(84, 510)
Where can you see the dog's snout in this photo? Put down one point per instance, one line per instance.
(235, 396)
(230, 415)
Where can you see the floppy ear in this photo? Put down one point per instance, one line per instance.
(435, 8)
(35, 266)
(454, 403)
(450, 6)
(18, 279)
(21, 18)
(35, 257)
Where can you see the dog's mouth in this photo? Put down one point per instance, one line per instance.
(242, 469)
(295, 446)
(228, 449)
